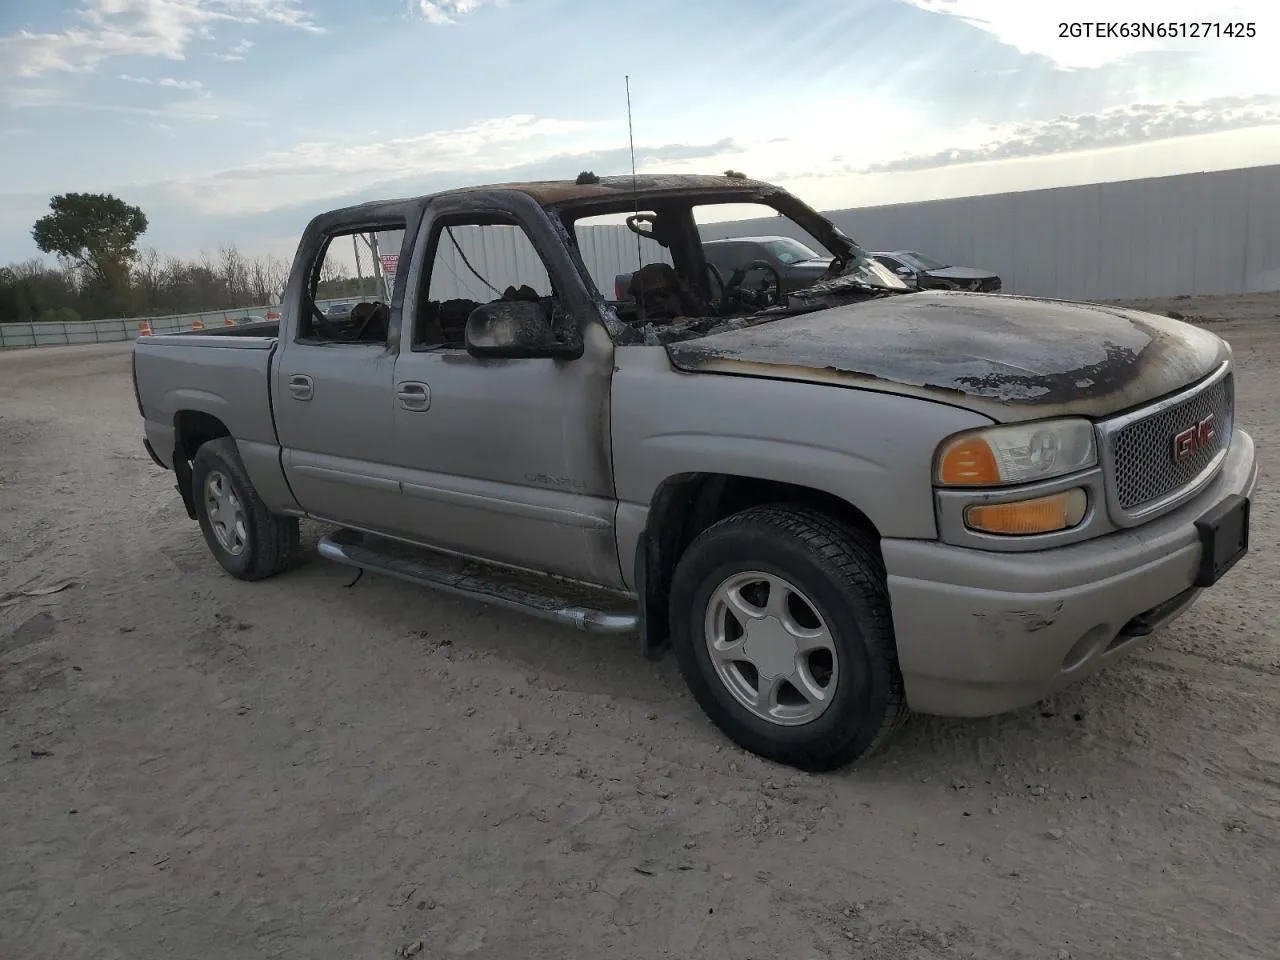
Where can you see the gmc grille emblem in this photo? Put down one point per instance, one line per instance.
(1187, 443)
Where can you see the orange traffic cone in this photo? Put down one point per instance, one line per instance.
(144, 328)
(197, 325)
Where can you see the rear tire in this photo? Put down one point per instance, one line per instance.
(781, 623)
(245, 537)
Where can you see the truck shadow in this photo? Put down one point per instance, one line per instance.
(1111, 714)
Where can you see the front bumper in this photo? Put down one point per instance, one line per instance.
(980, 633)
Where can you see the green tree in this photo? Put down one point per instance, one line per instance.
(97, 233)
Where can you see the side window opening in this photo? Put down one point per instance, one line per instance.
(348, 294)
(613, 255)
(471, 263)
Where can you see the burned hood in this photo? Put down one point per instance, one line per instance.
(1010, 358)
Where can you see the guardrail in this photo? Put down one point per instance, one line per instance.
(52, 334)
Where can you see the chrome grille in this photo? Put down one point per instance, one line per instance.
(1144, 465)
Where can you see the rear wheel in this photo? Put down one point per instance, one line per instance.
(245, 537)
(782, 627)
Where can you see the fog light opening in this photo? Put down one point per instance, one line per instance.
(1084, 649)
(1021, 518)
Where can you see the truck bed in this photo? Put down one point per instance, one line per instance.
(257, 330)
(225, 373)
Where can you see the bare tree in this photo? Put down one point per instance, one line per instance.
(148, 277)
(233, 271)
(268, 275)
(156, 284)
(333, 271)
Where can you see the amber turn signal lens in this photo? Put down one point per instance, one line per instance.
(969, 462)
(1060, 511)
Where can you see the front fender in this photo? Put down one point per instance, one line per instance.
(873, 450)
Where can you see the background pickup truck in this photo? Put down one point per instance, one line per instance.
(761, 260)
(833, 503)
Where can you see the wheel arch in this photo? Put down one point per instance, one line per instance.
(686, 504)
(191, 430)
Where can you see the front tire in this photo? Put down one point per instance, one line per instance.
(244, 536)
(782, 627)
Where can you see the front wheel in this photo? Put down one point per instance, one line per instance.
(782, 627)
(245, 537)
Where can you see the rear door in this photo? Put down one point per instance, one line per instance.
(332, 389)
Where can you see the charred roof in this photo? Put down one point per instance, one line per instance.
(649, 186)
(562, 193)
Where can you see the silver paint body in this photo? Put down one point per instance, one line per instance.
(552, 466)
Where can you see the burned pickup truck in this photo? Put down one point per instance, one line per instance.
(833, 504)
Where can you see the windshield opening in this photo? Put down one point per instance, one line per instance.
(681, 267)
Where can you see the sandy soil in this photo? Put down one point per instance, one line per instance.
(196, 767)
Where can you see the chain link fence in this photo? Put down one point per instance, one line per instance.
(51, 334)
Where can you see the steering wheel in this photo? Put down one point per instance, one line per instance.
(713, 272)
(759, 299)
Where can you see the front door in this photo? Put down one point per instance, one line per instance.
(505, 460)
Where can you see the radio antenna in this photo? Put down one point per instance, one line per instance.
(635, 190)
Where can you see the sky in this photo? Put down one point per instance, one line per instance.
(235, 121)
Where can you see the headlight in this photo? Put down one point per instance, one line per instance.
(1017, 453)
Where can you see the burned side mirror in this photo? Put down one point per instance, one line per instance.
(521, 330)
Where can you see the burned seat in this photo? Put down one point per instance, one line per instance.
(661, 293)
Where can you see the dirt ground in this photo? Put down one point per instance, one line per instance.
(191, 766)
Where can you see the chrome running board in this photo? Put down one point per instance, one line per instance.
(565, 603)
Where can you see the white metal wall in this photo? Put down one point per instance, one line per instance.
(504, 257)
(1202, 233)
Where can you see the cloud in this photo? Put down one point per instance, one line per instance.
(121, 28)
(1120, 127)
(237, 52)
(268, 199)
(32, 97)
(442, 12)
(500, 148)
(194, 86)
(201, 106)
(1034, 28)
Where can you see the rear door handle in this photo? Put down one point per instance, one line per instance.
(301, 386)
(413, 395)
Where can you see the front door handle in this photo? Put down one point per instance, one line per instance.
(301, 386)
(413, 395)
